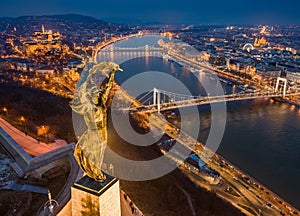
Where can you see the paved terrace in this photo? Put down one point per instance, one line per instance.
(28, 143)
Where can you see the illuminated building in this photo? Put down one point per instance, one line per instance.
(260, 42)
(167, 34)
(42, 42)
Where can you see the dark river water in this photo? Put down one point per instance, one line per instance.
(262, 137)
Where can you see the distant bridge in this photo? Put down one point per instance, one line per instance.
(146, 48)
(104, 44)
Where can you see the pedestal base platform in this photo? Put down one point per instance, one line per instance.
(90, 197)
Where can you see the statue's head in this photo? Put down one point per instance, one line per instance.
(115, 67)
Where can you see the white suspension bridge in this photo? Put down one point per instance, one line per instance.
(158, 100)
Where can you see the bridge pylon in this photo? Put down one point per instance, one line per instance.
(154, 96)
(112, 48)
(280, 79)
(156, 99)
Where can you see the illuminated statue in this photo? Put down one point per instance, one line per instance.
(89, 100)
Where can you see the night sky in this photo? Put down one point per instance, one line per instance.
(176, 11)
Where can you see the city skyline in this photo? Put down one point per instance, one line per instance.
(165, 12)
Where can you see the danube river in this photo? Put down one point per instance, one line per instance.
(261, 136)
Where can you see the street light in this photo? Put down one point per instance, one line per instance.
(50, 205)
(43, 130)
(23, 120)
(4, 109)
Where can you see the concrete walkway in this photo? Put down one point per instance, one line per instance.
(28, 143)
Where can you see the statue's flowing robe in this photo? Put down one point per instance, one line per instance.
(89, 101)
(90, 147)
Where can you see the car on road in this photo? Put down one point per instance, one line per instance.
(270, 205)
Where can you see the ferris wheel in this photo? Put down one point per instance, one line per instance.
(248, 47)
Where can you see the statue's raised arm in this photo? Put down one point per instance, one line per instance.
(104, 91)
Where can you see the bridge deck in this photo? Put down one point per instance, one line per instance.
(202, 101)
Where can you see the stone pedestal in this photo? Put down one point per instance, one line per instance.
(90, 197)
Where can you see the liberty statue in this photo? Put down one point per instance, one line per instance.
(90, 100)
